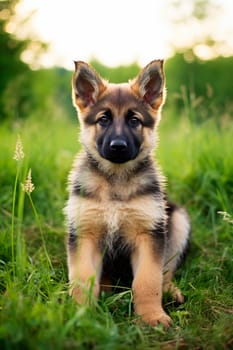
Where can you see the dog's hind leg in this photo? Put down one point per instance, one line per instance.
(177, 244)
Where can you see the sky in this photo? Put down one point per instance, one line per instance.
(118, 32)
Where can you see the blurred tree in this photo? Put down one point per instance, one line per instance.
(11, 48)
(195, 21)
(197, 75)
(15, 74)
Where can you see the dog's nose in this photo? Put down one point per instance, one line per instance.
(118, 145)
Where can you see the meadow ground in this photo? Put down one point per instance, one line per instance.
(35, 309)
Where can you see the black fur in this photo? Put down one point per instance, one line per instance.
(72, 237)
(116, 263)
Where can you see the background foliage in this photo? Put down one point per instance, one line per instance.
(195, 152)
(23, 91)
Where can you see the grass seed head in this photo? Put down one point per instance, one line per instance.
(19, 153)
(28, 186)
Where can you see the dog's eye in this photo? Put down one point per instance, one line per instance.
(134, 122)
(105, 120)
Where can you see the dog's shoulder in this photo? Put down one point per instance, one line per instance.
(84, 179)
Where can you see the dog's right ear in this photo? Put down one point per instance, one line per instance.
(87, 85)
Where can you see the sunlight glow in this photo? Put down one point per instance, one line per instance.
(115, 32)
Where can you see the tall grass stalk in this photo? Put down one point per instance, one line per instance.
(18, 249)
(37, 217)
(13, 221)
(29, 187)
(20, 258)
(18, 157)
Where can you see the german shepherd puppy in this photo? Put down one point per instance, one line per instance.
(120, 225)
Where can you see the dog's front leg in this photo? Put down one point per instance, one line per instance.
(84, 264)
(148, 280)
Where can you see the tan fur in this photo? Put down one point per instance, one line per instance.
(147, 286)
(110, 200)
(84, 265)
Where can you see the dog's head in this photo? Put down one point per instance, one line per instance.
(118, 120)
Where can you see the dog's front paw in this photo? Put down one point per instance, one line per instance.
(83, 293)
(79, 295)
(155, 318)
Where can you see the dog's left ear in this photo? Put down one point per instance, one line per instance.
(149, 84)
(87, 85)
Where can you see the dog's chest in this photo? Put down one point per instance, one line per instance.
(115, 208)
(113, 205)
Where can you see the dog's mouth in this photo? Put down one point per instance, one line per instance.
(118, 159)
(117, 156)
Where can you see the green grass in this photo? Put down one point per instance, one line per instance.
(35, 309)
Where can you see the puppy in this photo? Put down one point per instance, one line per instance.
(121, 228)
